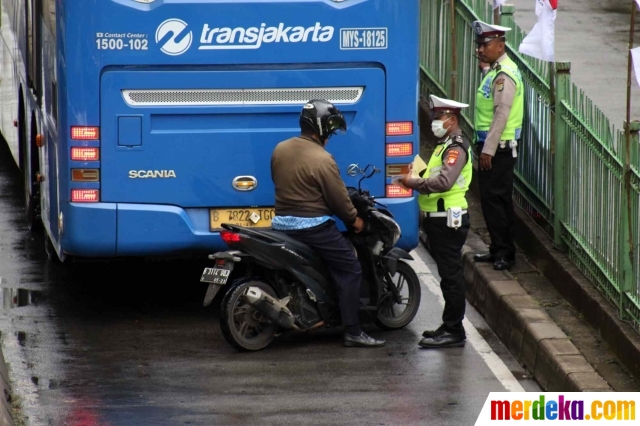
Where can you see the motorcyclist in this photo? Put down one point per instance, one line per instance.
(309, 190)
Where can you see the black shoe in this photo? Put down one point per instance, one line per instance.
(444, 340)
(485, 257)
(362, 341)
(432, 333)
(503, 263)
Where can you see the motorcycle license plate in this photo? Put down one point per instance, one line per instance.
(216, 275)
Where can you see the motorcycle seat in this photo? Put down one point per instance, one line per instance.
(281, 237)
(278, 237)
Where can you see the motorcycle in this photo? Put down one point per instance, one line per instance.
(281, 284)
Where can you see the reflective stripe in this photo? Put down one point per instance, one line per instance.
(439, 214)
(481, 135)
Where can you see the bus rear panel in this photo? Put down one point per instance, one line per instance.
(173, 111)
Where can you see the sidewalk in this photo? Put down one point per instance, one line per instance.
(543, 331)
(540, 328)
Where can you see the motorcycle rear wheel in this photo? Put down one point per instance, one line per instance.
(405, 278)
(241, 325)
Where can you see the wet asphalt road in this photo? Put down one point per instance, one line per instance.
(95, 345)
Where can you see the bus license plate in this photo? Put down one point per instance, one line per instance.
(259, 217)
(215, 275)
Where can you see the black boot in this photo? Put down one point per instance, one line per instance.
(362, 341)
(503, 263)
(444, 339)
(431, 333)
(485, 257)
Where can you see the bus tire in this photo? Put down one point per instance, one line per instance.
(31, 169)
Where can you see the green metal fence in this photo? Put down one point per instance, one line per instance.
(575, 174)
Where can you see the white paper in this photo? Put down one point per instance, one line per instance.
(635, 57)
(498, 3)
(540, 42)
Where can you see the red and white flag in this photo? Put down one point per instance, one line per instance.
(635, 57)
(498, 3)
(540, 42)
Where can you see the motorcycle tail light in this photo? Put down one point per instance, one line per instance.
(229, 237)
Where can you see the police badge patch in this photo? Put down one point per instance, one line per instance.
(452, 157)
(500, 85)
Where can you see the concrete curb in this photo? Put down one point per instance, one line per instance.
(525, 328)
(6, 419)
(565, 276)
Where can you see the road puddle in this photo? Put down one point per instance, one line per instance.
(16, 297)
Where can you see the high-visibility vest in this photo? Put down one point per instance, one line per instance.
(484, 103)
(455, 197)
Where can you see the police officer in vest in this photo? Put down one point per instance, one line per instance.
(442, 187)
(498, 125)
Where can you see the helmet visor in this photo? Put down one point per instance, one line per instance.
(336, 124)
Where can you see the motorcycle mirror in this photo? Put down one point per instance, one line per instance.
(374, 171)
(365, 176)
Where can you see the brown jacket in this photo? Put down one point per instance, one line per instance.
(308, 182)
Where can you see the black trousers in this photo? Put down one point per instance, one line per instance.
(446, 248)
(341, 261)
(496, 192)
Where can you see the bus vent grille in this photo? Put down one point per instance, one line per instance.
(336, 95)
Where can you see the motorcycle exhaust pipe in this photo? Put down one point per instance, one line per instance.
(272, 308)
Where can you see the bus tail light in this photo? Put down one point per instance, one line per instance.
(85, 154)
(395, 191)
(85, 133)
(397, 169)
(85, 195)
(401, 128)
(85, 175)
(399, 149)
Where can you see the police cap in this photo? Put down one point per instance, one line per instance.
(441, 106)
(487, 32)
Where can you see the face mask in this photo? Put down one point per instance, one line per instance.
(437, 127)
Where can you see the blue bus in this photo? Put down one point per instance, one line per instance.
(142, 125)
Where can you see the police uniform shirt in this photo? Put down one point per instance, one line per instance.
(453, 161)
(504, 92)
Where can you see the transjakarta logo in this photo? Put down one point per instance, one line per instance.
(255, 37)
(237, 38)
(178, 43)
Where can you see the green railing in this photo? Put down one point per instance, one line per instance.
(575, 174)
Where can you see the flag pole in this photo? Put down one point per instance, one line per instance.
(454, 48)
(496, 16)
(629, 61)
(627, 160)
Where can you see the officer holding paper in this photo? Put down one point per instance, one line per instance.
(442, 185)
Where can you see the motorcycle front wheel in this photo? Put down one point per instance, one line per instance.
(391, 314)
(242, 326)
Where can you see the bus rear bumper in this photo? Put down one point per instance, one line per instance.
(118, 230)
